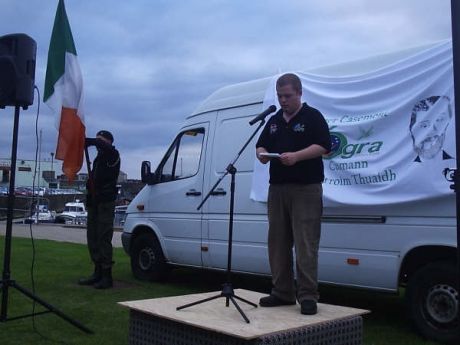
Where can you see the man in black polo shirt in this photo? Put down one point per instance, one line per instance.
(300, 135)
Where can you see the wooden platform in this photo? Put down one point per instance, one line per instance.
(214, 316)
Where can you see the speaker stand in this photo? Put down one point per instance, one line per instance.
(6, 281)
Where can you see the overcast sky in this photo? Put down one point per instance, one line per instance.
(147, 64)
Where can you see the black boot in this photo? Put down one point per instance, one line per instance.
(94, 278)
(106, 281)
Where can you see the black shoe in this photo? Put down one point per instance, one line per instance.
(273, 301)
(308, 307)
(92, 279)
(106, 281)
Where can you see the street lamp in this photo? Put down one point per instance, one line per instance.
(52, 160)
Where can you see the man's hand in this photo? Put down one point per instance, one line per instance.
(289, 158)
(312, 151)
(262, 159)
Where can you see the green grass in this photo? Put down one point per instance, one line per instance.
(59, 265)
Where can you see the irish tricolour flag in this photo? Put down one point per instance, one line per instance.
(64, 94)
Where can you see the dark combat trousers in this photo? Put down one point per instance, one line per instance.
(100, 232)
(294, 215)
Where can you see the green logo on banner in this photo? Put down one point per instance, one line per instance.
(341, 148)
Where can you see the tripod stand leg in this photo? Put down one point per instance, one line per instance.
(245, 301)
(239, 309)
(51, 308)
(198, 302)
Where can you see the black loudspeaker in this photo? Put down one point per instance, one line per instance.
(17, 70)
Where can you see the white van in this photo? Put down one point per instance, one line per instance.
(379, 248)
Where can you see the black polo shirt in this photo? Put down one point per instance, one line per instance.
(306, 128)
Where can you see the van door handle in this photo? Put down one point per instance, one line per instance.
(193, 192)
(219, 191)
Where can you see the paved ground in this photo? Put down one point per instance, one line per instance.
(55, 232)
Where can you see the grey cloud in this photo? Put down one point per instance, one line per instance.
(148, 64)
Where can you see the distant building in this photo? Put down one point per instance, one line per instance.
(129, 189)
(122, 177)
(44, 173)
(80, 181)
(46, 177)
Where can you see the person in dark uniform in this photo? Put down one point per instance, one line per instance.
(100, 201)
(300, 135)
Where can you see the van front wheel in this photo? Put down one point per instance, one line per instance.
(147, 259)
(433, 300)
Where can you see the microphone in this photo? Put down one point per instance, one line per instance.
(263, 114)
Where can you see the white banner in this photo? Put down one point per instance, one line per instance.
(393, 131)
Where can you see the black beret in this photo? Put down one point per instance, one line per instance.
(105, 134)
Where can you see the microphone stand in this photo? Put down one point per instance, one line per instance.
(227, 288)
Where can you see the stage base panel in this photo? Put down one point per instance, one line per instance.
(157, 322)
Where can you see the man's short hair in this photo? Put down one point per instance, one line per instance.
(290, 79)
(425, 105)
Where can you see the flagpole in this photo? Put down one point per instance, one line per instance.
(455, 17)
(90, 174)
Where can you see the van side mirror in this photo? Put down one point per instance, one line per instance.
(146, 173)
